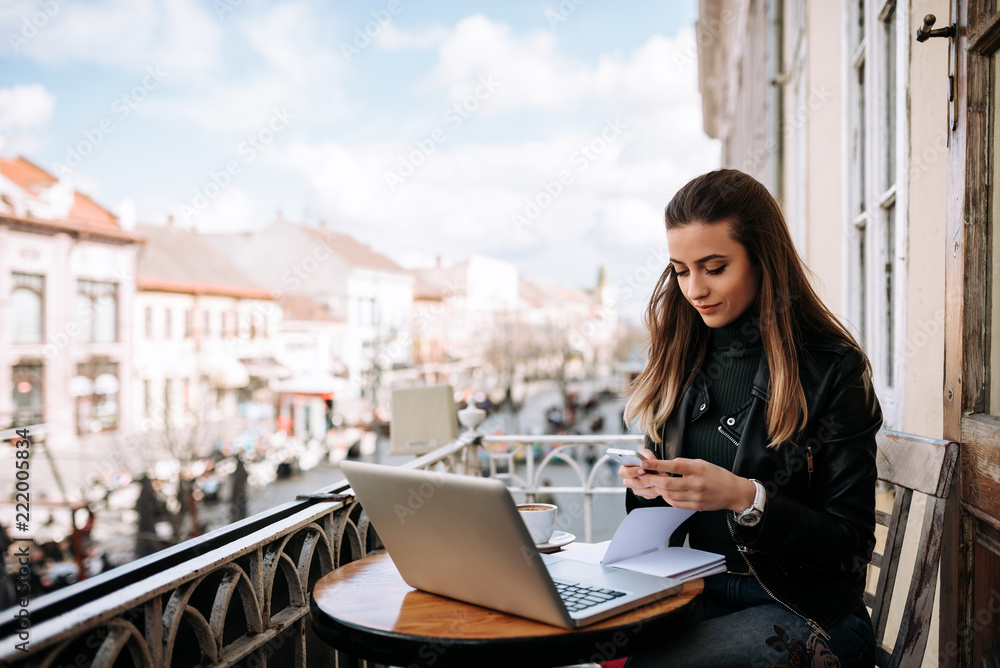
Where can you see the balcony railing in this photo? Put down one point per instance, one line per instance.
(579, 453)
(239, 596)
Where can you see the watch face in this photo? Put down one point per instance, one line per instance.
(749, 518)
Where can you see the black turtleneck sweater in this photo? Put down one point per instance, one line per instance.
(731, 363)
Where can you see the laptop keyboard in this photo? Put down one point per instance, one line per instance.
(580, 597)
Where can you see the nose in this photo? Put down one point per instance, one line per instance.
(697, 288)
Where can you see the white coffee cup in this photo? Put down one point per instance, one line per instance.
(540, 518)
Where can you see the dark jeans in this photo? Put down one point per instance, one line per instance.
(743, 626)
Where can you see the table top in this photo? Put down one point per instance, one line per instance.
(366, 610)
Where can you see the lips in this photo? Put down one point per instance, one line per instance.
(705, 310)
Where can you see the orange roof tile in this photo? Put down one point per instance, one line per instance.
(87, 210)
(26, 174)
(85, 215)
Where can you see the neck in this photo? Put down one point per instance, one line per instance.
(742, 333)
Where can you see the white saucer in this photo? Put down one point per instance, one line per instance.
(558, 539)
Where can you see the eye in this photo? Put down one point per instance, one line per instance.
(715, 272)
(681, 273)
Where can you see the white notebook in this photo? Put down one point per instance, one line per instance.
(640, 544)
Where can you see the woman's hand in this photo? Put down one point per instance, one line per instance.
(701, 485)
(635, 477)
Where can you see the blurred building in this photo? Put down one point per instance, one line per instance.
(67, 294)
(204, 340)
(316, 394)
(369, 293)
(478, 324)
(882, 149)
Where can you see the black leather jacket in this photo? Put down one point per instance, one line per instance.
(812, 548)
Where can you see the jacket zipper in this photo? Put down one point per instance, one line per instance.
(735, 442)
(744, 551)
(809, 466)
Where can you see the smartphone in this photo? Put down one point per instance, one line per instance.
(625, 457)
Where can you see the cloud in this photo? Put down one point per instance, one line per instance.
(25, 113)
(468, 198)
(284, 60)
(181, 36)
(391, 38)
(631, 222)
(588, 194)
(536, 75)
(232, 211)
(25, 107)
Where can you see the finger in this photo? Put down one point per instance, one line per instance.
(659, 466)
(647, 453)
(629, 472)
(682, 465)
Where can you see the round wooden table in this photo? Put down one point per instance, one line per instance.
(366, 610)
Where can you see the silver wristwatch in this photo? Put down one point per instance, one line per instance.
(754, 514)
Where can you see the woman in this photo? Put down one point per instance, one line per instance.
(759, 405)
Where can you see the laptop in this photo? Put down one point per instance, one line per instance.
(462, 537)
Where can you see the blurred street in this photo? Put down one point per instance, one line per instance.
(115, 528)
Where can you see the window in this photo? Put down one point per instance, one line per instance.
(97, 311)
(168, 385)
(96, 390)
(147, 399)
(26, 382)
(876, 177)
(27, 308)
(168, 323)
(149, 322)
(207, 327)
(188, 319)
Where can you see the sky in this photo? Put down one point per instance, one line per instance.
(547, 133)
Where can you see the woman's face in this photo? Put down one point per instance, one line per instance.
(713, 271)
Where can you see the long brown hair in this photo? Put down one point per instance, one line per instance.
(786, 304)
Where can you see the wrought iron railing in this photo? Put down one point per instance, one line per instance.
(582, 454)
(239, 596)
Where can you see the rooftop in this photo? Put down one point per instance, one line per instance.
(44, 203)
(178, 260)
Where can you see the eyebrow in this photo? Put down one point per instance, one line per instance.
(703, 260)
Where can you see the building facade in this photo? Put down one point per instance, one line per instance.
(204, 341)
(366, 290)
(880, 148)
(67, 291)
